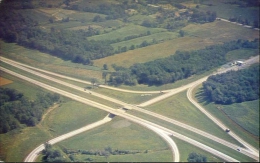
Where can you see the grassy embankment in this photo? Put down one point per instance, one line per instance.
(80, 92)
(69, 116)
(241, 118)
(179, 108)
(122, 135)
(231, 152)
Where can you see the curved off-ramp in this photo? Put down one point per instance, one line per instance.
(253, 152)
(124, 115)
(34, 154)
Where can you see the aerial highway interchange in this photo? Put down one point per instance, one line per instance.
(165, 133)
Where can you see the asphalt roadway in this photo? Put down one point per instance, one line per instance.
(124, 115)
(154, 114)
(202, 133)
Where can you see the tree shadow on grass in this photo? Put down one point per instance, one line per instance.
(202, 97)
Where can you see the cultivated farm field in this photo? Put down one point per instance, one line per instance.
(197, 37)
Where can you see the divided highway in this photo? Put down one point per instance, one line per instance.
(255, 154)
(190, 128)
(166, 95)
(124, 115)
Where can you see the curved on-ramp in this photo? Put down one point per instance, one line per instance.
(253, 152)
(202, 133)
(124, 115)
(34, 154)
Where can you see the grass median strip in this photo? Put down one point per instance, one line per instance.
(185, 149)
(59, 86)
(179, 108)
(228, 151)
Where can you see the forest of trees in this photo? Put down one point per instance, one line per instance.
(233, 86)
(68, 45)
(182, 64)
(16, 110)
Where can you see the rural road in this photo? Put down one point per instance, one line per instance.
(35, 153)
(163, 117)
(246, 26)
(124, 115)
(200, 132)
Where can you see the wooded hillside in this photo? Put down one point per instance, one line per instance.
(233, 86)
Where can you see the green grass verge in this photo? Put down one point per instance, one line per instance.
(245, 114)
(16, 145)
(185, 149)
(152, 156)
(82, 93)
(29, 90)
(230, 152)
(179, 108)
(49, 62)
(213, 109)
(70, 116)
(123, 135)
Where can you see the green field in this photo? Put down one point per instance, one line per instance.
(36, 15)
(122, 135)
(152, 52)
(127, 30)
(226, 11)
(159, 37)
(197, 36)
(70, 116)
(241, 54)
(213, 109)
(138, 19)
(77, 92)
(213, 144)
(16, 145)
(185, 149)
(24, 87)
(245, 114)
(179, 108)
(219, 31)
(49, 62)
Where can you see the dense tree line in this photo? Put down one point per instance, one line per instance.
(203, 17)
(68, 45)
(51, 154)
(16, 109)
(182, 64)
(233, 86)
(196, 157)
